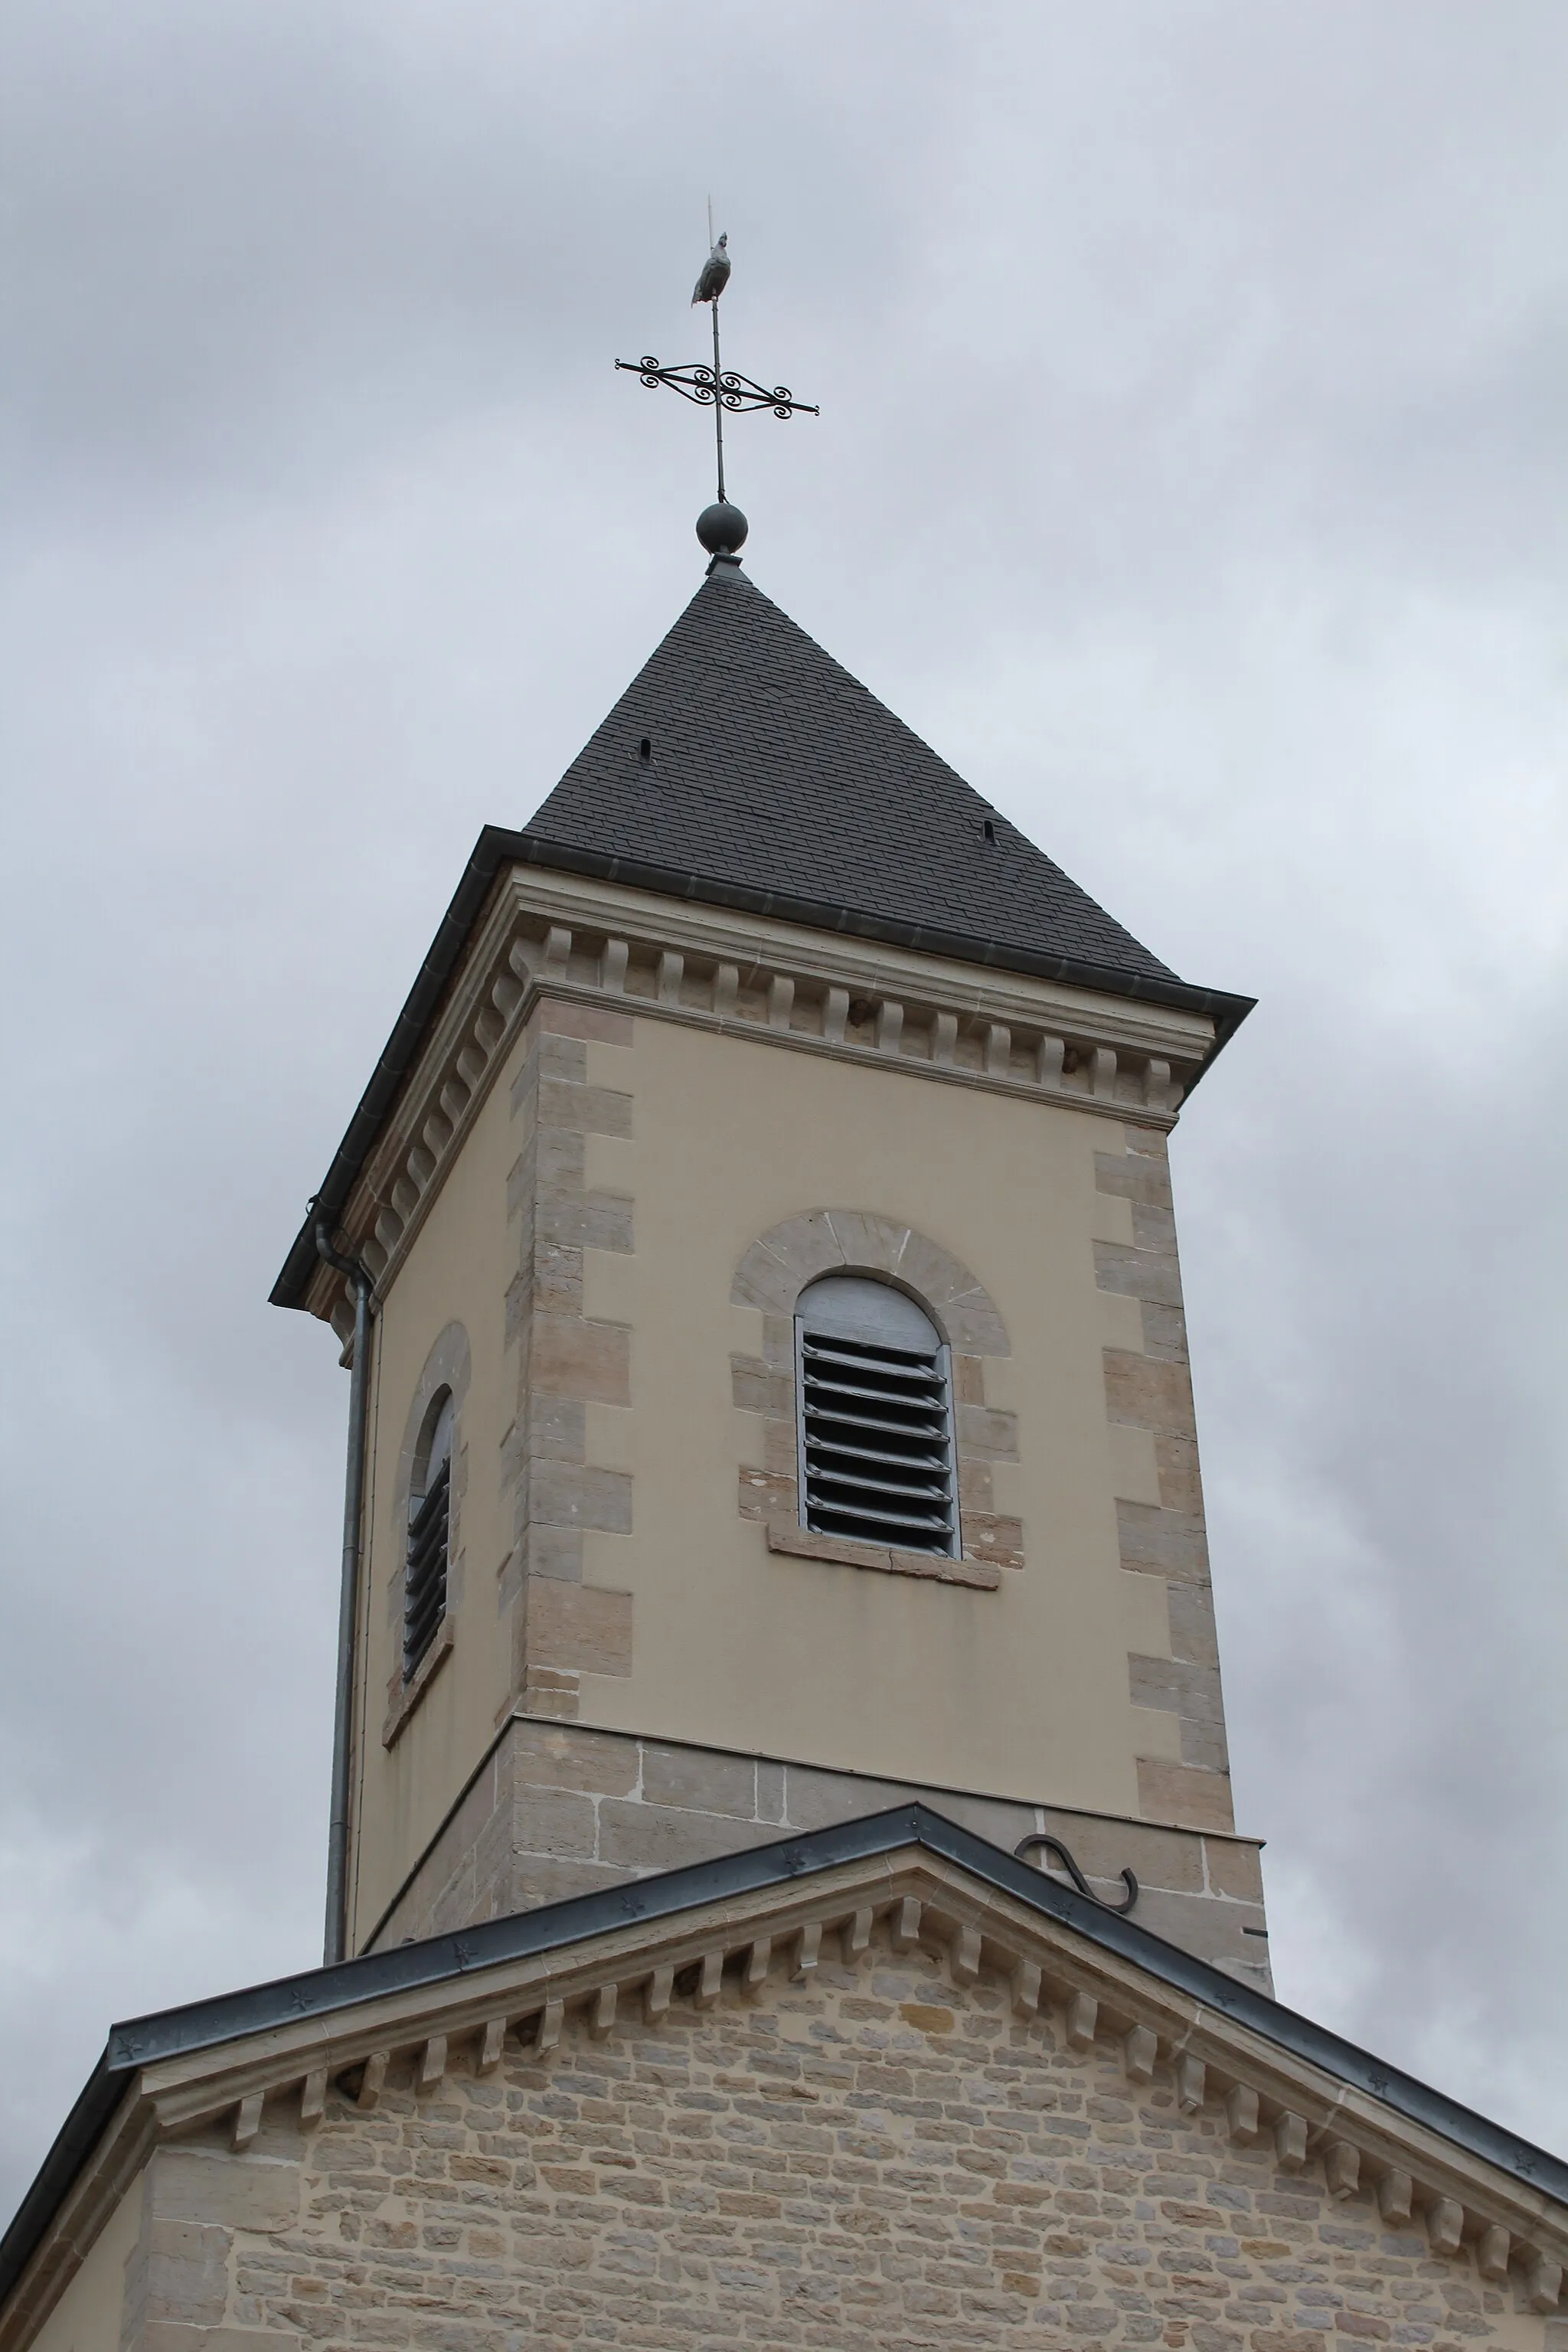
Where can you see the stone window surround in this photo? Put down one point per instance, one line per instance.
(449, 1365)
(771, 1277)
(782, 985)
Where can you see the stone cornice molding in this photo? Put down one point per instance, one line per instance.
(548, 934)
(1081, 1992)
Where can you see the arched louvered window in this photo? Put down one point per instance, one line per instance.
(875, 1392)
(429, 1529)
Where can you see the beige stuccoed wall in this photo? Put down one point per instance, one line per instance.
(88, 2317)
(1020, 1692)
(1017, 1691)
(457, 1271)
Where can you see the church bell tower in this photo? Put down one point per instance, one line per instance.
(776, 1649)
(775, 1381)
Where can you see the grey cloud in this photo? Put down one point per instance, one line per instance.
(1189, 471)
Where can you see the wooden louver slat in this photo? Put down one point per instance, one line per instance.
(877, 1443)
(425, 1591)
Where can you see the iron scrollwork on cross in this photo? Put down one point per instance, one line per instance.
(718, 388)
(1053, 1846)
(696, 383)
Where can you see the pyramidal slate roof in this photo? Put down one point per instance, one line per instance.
(775, 774)
(776, 783)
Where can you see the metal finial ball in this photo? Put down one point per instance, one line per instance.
(722, 528)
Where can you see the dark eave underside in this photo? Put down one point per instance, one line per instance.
(202, 2025)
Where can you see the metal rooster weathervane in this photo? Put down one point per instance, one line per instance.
(719, 388)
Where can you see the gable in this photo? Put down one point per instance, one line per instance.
(869, 2137)
(831, 2086)
(871, 2152)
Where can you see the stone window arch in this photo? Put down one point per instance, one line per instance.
(421, 1635)
(778, 1267)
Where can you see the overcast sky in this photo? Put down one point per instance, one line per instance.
(1191, 473)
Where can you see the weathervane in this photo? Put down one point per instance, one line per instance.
(721, 528)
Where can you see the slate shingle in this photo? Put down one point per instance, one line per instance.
(773, 771)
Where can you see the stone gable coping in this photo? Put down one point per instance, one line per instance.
(931, 1017)
(717, 1930)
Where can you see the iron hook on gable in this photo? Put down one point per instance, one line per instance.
(1054, 1846)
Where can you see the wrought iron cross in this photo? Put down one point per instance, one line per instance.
(719, 388)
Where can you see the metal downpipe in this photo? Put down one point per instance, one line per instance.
(362, 1283)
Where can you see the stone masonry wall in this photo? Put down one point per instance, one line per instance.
(560, 1809)
(873, 2159)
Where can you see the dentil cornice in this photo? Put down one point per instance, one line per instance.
(782, 985)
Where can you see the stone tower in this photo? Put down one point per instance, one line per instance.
(777, 1399)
